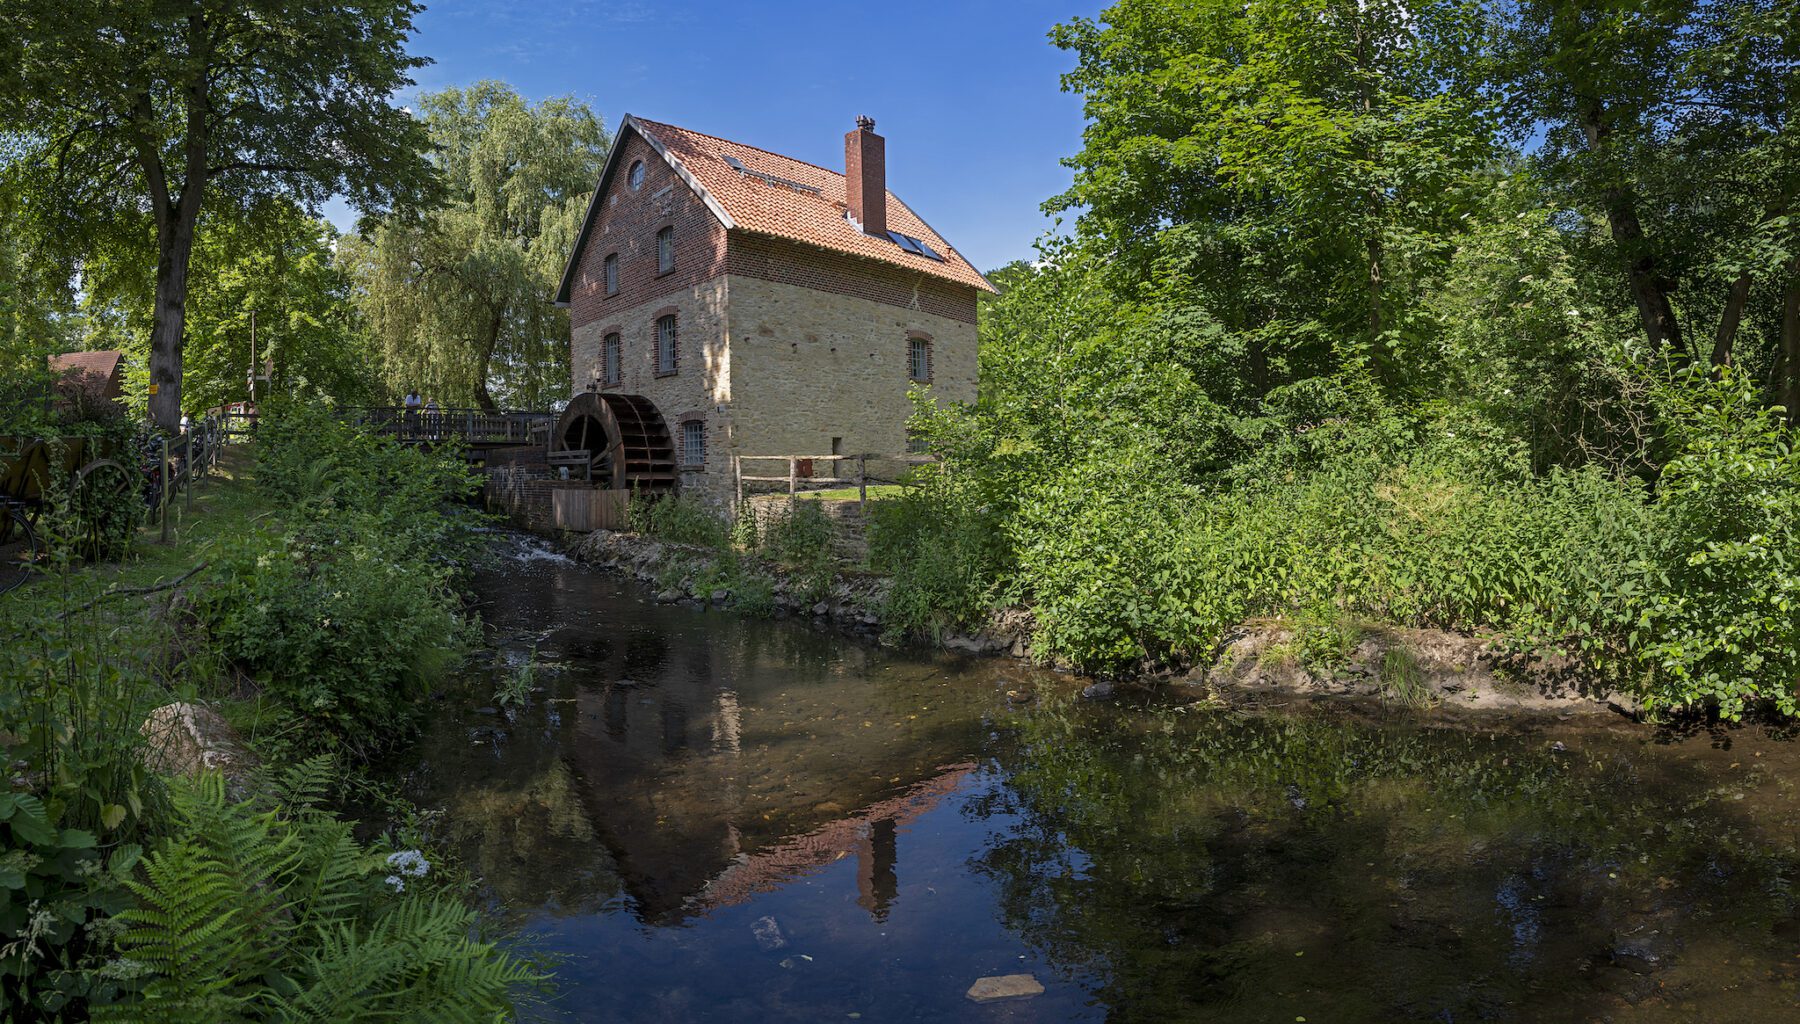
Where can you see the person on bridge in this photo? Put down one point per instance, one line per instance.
(431, 419)
(411, 405)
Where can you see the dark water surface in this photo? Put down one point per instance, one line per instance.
(712, 818)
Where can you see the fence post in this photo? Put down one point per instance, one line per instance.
(162, 497)
(737, 474)
(862, 483)
(793, 475)
(187, 469)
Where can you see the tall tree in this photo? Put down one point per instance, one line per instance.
(179, 106)
(1670, 120)
(1297, 167)
(274, 260)
(462, 303)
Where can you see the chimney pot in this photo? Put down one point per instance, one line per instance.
(865, 176)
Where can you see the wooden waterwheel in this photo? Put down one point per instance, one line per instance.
(617, 441)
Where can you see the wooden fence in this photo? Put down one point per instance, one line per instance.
(803, 472)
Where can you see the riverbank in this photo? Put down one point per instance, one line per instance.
(706, 815)
(185, 728)
(1337, 658)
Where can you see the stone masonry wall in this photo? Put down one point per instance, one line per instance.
(700, 387)
(808, 366)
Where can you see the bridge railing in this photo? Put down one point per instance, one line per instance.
(474, 426)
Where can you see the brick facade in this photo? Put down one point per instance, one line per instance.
(782, 346)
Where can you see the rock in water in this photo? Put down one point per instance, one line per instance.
(1101, 690)
(768, 933)
(1005, 986)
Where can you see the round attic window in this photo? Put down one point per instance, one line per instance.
(635, 177)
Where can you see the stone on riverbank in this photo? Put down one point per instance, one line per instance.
(187, 739)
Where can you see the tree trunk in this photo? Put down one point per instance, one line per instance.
(174, 247)
(1790, 342)
(1648, 289)
(1728, 320)
(177, 213)
(483, 398)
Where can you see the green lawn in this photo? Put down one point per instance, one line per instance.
(850, 493)
(225, 504)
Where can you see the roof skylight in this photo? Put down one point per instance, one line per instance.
(916, 246)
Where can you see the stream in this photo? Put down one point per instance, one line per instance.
(705, 817)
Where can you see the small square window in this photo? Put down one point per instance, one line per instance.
(693, 443)
(609, 359)
(919, 359)
(612, 274)
(837, 446)
(665, 250)
(665, 344)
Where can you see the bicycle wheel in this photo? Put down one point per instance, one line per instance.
(20, 550)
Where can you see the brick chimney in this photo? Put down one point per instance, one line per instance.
(865, 176)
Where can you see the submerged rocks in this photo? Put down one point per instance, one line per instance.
(1005, 986)
(768, 933)
(1102, 690)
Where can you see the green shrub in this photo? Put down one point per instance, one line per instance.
(344, 608)
(679, 519)
(340, 621)
(1711, 613)
(60, 888)
(799, 538)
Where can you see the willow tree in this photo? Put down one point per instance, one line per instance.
(116, 107)
(462, 302)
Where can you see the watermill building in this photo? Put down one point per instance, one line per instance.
(725, 300)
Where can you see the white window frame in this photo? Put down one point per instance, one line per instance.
(668, 353)
(918, 359)
(665, 250)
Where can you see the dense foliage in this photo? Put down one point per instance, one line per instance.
(247, 913)
(129, 121)
(343, 609)
(1325, 339)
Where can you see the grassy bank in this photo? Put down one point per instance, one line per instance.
(309, 596)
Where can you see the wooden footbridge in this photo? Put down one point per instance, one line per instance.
(477, 428)
(615, 441)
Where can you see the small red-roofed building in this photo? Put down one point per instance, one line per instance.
(90, 380)
(760, 305)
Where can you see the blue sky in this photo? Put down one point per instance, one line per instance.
(967, 93)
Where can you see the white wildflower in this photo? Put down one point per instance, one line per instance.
(397, 882)
(411, 863)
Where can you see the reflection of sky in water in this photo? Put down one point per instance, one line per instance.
(712, 818)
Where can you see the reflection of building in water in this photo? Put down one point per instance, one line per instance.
(707, 793)
(877, 881)
(872, 834)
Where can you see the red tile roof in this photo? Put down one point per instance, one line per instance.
(103, 363)
(750, 203)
